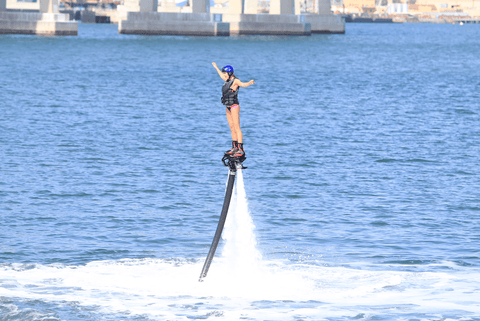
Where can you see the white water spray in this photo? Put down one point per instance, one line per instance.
(240, 251)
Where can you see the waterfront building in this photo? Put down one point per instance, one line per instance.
(411, 10)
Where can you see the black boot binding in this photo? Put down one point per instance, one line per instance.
(234, 162)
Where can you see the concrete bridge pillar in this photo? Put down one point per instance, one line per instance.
(251, 7)
(48, 22)
(323, 21)
(235, 6)
(168, 3)
(3, 5)
(148, 5)
(298, 6)
(282, 6)
(43, 6)
(49, 6)
(140, 5)
(322, 6)
(200, 6)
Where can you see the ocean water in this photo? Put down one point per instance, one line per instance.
(361, 200)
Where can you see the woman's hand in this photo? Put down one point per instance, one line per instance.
(220, 73)
(251, 82)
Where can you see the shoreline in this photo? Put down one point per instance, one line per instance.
(409, 18)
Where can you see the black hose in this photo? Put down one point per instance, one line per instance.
(221, 223)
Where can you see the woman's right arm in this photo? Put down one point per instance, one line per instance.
(220, 73)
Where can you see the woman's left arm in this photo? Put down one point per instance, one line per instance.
(238, 83)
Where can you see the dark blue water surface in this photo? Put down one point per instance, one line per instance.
(363, 148)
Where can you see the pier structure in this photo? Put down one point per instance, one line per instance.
(47, 21)
(244, 19)
(241, 17)
(320, 17)
(143, 17)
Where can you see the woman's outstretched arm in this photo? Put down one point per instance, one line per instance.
(220, 73)
(238, 83)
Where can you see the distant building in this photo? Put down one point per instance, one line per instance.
(472, 7)
(397, 8)
(423, 8)
(27, 5)
(403, 7)
(353, 6)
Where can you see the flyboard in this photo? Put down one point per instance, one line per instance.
(233, 163)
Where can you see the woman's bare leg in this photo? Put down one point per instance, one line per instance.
(230, 123)
(235, 115)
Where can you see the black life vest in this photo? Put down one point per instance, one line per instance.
(229, 96)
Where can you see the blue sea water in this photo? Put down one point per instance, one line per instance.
(363, 180)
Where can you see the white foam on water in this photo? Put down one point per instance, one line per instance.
(242, 285)
(279, 291)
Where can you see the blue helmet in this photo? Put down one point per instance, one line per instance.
(228, 69)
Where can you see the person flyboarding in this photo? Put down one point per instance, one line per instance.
(234, 157)
(230, 99)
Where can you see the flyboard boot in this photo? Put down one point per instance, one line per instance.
(233, 149)
(239, 152)
(235, 160)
